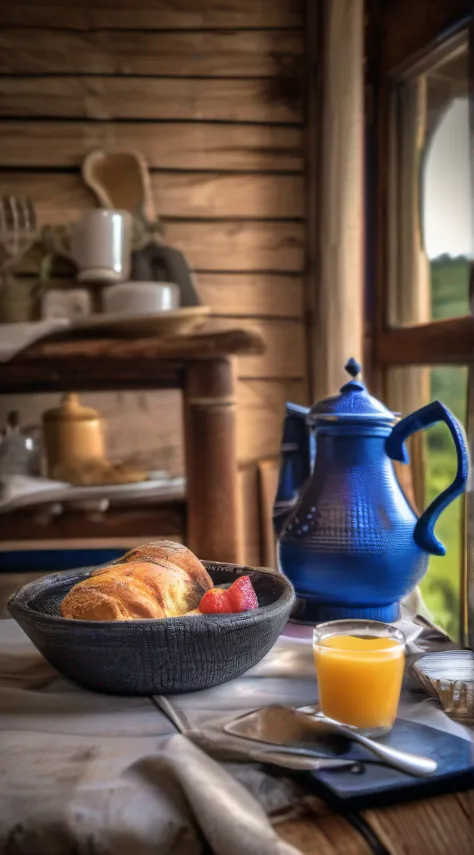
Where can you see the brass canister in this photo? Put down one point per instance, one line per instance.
(72, 435)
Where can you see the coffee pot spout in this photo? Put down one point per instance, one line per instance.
(297, 457)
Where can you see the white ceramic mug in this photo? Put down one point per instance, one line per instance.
(140, 298)
(100, 246)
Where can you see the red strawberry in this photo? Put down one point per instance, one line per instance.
(215, 602)
(240, 597)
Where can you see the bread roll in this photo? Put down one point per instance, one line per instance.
(160, 551)
(111, 597)
(135, 589)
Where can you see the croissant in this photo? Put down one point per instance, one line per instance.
(161, 551)
(137, 588)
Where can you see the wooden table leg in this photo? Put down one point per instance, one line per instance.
(211, 459)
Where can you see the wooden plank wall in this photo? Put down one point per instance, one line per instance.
(211, 91)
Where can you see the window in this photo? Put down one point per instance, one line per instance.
(424, 332)
(434, 466)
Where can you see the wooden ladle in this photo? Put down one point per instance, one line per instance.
(120, 180)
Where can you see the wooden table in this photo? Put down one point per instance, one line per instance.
(199, 364)
(442, 825)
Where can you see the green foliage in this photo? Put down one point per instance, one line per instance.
(449, 287)
(441, 586)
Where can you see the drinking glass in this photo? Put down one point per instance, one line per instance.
(359, 665)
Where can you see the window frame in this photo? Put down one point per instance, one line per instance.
(391, 59)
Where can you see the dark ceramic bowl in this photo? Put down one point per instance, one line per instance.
(151, 657)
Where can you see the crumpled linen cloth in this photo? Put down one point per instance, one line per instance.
(16, 337)
(85, 772)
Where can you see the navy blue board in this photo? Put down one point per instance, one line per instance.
(380, 785)
(55, 560)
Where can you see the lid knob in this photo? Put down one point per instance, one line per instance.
(353, 405)
(352, 367)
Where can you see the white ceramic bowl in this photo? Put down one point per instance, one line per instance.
(140, 298)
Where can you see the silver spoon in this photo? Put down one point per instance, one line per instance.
(280, 725)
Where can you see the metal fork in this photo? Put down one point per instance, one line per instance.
(18, 229)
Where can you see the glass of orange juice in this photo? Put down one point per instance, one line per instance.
(359, 664)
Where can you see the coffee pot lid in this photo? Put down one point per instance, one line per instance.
(352, 404)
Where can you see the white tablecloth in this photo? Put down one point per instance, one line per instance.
(85, 772)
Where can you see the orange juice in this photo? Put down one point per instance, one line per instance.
(359, 679)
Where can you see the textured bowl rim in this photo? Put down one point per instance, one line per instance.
(287, 595)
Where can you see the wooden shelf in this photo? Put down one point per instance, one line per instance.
(201, 366)
(64, 363)
(164, 519)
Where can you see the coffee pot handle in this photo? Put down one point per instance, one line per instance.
(435, 412)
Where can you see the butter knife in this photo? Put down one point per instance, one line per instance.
(302, 760)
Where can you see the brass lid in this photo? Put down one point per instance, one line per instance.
(71, 410)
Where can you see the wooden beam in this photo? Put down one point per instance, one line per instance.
(467, 565)
(466, 598)
(268, 472)
(312, 177)
(338, 303)
(211, 460)
(435, 343)
(408, 274)
(187, 53)
(409, 28)
(248, 516)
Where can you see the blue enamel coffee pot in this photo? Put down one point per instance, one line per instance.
(348, 539)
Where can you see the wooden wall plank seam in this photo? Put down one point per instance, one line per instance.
(186, 144)
(145, 14)
(107, 98)
(177, 194)
(256, 246)
(185, 53)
